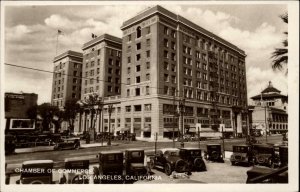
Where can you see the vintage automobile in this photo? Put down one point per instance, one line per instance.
(76, 171)
(193, 157)
(110, 168)
(242, 154)
(69, 143)
(135, 162)
(36, 172)
(258, 171)
(10, 144)
(283, 155)
(214, 153)
(264, 155)
(169, 160)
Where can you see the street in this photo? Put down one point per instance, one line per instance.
(216, 172)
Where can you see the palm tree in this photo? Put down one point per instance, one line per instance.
(280, 55)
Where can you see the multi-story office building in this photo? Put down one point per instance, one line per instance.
(269, 112)
(67, 74)
(102, 66)
(167, 58)
(101, 75)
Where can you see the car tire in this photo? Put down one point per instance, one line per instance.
(77, 146)
(199, 163)
(168, 169)
(233, 163)
(180, 166)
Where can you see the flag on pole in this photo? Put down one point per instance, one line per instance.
(59, 32)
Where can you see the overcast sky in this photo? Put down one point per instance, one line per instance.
(31, 31)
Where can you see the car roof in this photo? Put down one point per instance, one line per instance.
(190, 148)
(110, 152)
(134, 149)
(212, 144)
(168, 149)
(37, 162)
(82, 158)
(242, 145)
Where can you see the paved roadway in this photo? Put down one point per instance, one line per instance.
(90, 153)
(216, 172)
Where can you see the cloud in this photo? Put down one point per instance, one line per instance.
(61, 22)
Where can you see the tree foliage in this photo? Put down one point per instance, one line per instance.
(71, 109)
(50, 114)
(280, 55)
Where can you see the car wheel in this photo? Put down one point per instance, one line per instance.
(36, 182)
(168, 169)
(78, 179)
(199, 163)
(232, 163)
(180, 166)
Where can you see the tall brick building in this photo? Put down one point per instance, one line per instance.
(67, 75)
(166, 56)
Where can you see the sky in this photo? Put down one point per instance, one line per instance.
(31, 36)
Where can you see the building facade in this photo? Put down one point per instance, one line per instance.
(20, 112)
(101, 75)
(167, 58)
(269, 113)
(67, 75)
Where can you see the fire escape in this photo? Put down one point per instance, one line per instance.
(213, 87)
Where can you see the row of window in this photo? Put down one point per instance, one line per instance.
(98, 52)
(137, 108)
(147, 30)
(109, 89)
(137, 91)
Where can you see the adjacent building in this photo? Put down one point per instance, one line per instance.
(167, 58)
(20, 111)
(67, 80)
(269, 113)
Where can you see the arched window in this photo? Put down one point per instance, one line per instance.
(138, 32)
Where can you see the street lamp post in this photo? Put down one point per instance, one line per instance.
(223, 142)
(181, 110)
(266, 125)
(110, 107)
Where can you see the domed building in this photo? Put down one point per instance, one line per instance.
(269, 112)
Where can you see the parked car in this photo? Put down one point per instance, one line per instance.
(169, 160)
(68, 143)
(194, 158)
(242, 154)
(283, 155)
(135, 162)
(42, 175)
(214, 153)
(110, 168)
(264, 155)
(76, 171)
(10, 144)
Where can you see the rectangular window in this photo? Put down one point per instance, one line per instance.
(147, 90)
(98, 62)
(138, 57)
(109, 88)
(129, 37)
(148, 54)
(109, 70)
(147, 77)
(148, 43)
(137, 92)
(166, 43)
(138, 46)
(138, 68)
(128, 108)
(166, 90)
(128, 92)
(148, 30)
(138, 79)
(128, 59)
(148, 65)
(166, 31)
(110, 61)
(137, 108)
(128, 81)
(166, 54)
(173, 68)
(128, 70)
(166, 78)
(147, 107)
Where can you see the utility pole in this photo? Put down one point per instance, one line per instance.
(181, 108)
(266, 125)
(110, 107)
(174, 108)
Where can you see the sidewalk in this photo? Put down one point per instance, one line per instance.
(83, 145)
